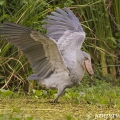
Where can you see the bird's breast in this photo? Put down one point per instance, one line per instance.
(76, 75)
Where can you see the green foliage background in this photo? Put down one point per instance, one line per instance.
(100, 20)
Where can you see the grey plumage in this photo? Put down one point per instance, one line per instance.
(56, 58)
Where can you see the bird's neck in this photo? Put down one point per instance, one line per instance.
(79, 70)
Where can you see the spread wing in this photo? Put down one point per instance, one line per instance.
(65, 28)
(42, 52)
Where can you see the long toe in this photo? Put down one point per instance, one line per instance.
(55, 100)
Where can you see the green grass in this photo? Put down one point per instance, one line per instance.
(78, 103)
(43, 110)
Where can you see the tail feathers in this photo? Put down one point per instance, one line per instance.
(33, 77)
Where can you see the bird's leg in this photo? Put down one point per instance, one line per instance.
(60, 91)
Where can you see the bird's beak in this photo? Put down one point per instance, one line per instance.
(88, 66)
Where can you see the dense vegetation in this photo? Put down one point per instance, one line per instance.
(101, 22)
(99, 19)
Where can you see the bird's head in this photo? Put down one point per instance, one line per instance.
(85, 60)
(86, 63)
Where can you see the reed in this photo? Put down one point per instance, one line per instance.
(100, 20)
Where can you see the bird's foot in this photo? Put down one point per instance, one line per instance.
(55, 100)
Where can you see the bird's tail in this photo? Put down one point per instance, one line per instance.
(33, 77)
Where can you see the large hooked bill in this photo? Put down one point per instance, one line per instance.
(88, 67)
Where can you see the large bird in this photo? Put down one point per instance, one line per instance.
(56, 58)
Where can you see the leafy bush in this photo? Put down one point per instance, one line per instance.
(5, 93)
(100, 20)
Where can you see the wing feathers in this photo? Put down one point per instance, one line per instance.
(20, 37)
(63, 28)
(44, 66)
(62, 12)
(71, 14)
(37, 63)
(62, 21)
(47, 73)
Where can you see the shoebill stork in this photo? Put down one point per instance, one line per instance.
(56, 58)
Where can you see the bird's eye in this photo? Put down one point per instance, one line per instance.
(86, 58)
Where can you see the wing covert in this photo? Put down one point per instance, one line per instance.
(41, 51)
(60, 22)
